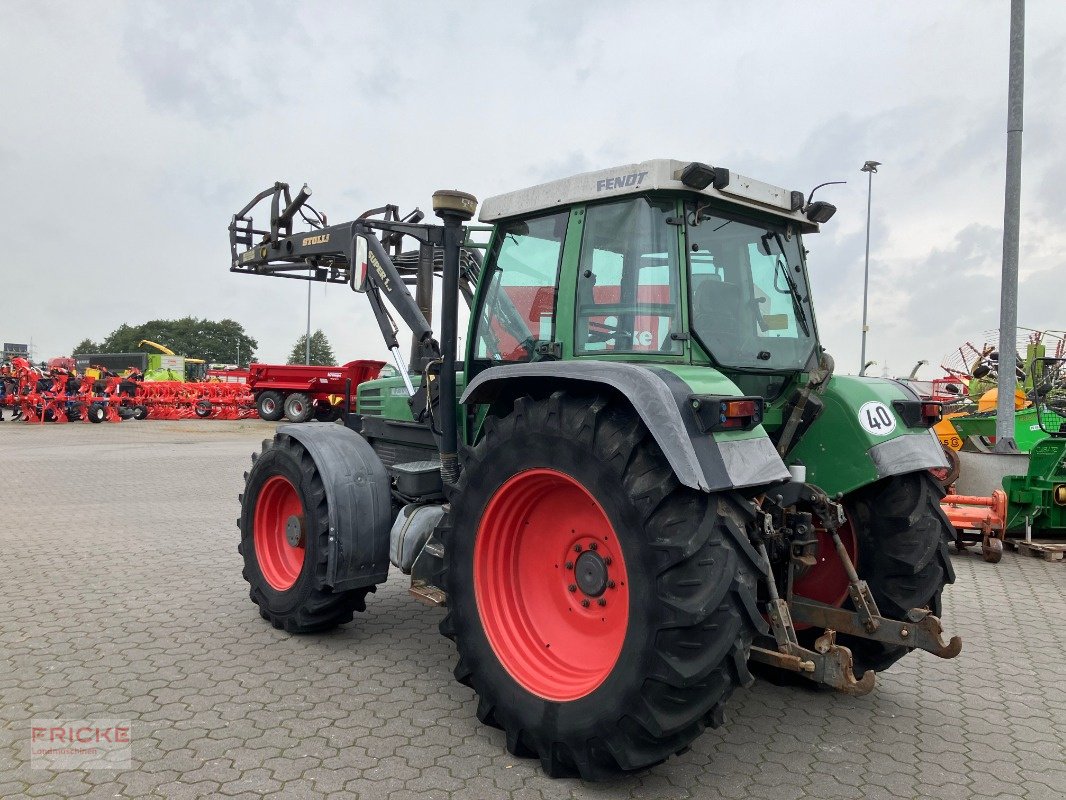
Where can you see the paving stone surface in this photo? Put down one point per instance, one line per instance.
(121, 597)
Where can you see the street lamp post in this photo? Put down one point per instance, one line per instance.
(870, 167)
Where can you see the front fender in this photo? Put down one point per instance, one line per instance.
(707, 462)
(842, 454)
(359, 498)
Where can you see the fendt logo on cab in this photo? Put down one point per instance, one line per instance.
(621, 182)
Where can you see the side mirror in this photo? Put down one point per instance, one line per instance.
(359, 265)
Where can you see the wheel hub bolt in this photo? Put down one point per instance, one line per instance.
(585, 603)
(602, 602)
(607, 561)
(577, 548)
(572, 587)
(610, 584)
(569, 564)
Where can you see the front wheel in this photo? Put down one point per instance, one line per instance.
(284, 535)
(602, 612)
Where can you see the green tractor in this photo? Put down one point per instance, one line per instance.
(640, 474)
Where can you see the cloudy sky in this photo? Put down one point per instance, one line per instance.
(130, 132)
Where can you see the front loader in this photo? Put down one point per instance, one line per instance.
(641, 473)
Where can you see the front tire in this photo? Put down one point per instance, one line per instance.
(284, 538)
(594, 690)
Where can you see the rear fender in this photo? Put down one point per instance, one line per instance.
(707, 462)
(360, 502)
(842, 454)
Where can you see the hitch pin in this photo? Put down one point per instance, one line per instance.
(402, 369)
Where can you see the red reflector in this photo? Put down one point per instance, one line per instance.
(739, 408)
(731, 422)
(932, 411)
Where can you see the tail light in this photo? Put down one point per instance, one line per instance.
(715, 413)
(919, 413)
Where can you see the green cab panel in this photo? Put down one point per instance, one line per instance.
(859, 438)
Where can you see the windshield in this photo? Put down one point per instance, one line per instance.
(749, 297)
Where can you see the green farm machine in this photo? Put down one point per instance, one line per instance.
(640, 474)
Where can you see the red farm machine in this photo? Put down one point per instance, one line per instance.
(641, 473)
(300, 393)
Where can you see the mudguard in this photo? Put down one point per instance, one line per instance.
(842, 454)
(359, 499)
(707, 462)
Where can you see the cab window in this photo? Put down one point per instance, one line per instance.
(628, 279)
(518, 306)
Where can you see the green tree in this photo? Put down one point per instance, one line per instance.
(86, 346)
(321, 352)
(195, 338)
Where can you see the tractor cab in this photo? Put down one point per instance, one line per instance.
(660, 261)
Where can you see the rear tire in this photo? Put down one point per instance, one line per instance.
(903, 539)
(97, 413)
(202, 409)
(608, 700)
(298, 407)
(269, 406)
(140, 412)
(287, 582)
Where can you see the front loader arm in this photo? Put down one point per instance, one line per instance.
(331, 254)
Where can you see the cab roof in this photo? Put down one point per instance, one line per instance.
(655, 174)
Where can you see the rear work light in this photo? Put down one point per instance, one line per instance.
(714, 413)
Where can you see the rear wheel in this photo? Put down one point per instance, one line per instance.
(602, 612)
(902, 537)
(298, 407)
(97, 412)
(140, 412)
(284, 538)
(202, 409)
(269, 406)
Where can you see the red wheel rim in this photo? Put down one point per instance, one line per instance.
(545, 558)
(827, 582)
(279, 561)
